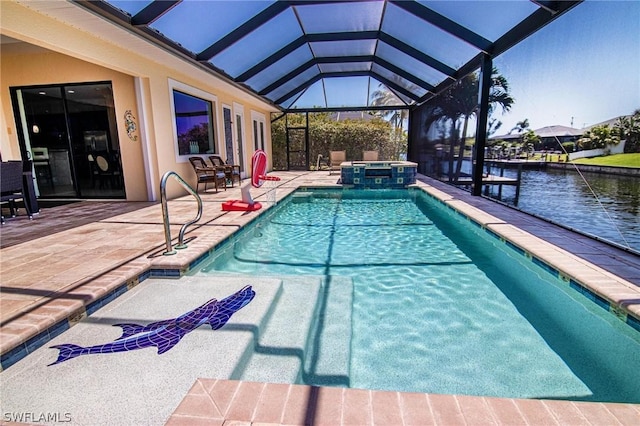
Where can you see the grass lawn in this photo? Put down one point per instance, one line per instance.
(619, 160)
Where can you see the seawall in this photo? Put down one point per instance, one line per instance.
(609, 170)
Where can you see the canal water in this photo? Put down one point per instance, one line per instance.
(605, 206)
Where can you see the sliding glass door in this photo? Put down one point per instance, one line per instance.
(69, 133)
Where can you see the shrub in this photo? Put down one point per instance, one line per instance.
(568, 146)
(599, 137)
(353, 136)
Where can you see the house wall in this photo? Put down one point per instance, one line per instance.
(588, 153)
(65, 54)
(46, 67)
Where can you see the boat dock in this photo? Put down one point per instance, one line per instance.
(489, 180)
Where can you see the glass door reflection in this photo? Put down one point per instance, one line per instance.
(69, 133)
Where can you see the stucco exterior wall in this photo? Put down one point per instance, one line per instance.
(588, 153)
(53, 68)
(140, 83)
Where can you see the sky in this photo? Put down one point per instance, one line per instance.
(580, 70)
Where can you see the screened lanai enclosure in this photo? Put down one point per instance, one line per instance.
(336, 55)
(450, 75)
(340, 55)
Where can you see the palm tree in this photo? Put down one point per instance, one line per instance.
(520, 126)
(493, 125)
(445, 113)
(466, 94)
(628, 128)
(460, 102)
(529, 140)
(385, 97)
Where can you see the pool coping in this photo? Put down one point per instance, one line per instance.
(232, 402)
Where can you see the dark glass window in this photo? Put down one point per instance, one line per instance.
(194, 124)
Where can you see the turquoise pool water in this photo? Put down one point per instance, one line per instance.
(439, 305)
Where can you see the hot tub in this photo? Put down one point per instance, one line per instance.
(378, 174)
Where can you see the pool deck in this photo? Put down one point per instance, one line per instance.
(48, 277)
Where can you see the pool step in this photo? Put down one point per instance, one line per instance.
(279, 353)
(329, 364)
(308, 337)
(302, 197)
(302, 336)
(31, 385)
(235, 341)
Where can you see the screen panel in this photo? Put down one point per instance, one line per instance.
(340, 17)
(426, 37)
(259, 44)
(198, 24)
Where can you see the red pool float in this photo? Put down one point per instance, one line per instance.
(258, 177)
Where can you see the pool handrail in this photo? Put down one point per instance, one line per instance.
(165, 211)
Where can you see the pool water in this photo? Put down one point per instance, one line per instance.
(439, 305)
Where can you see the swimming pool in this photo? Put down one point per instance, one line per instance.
(437, 304)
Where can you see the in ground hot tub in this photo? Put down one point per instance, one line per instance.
(378, 174)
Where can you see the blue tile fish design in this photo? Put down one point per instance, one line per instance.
(165, 334)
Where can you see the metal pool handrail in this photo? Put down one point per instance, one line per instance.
(165, 211)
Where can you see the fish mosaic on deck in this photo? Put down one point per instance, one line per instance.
(165, 334)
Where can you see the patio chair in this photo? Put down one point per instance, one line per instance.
(104, 170)
(369, 155)
(11, 188)
(335, 158)
(231, 171)
(207, 174)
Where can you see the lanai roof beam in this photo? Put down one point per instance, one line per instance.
(318, 77)
(153, 11)
(250, 25)
(345, 59)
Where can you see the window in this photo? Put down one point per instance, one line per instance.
(258, 130)
(239, 112)
(194, 121)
